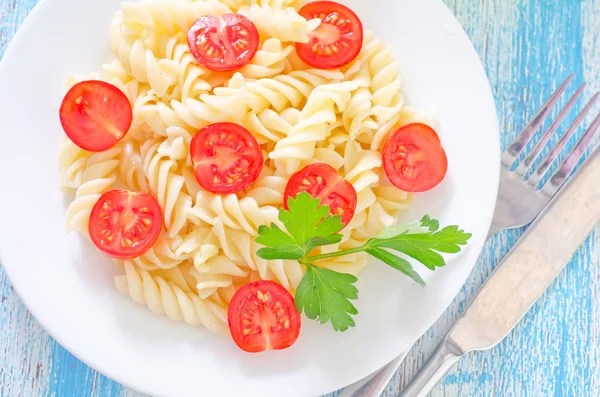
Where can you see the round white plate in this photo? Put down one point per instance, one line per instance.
(68, 286)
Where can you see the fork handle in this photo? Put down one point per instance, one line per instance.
(436, 368)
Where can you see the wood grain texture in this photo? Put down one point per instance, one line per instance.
(527, 47)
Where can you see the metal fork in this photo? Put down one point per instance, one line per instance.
(520, 201)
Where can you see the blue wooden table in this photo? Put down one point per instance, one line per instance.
(527, 47)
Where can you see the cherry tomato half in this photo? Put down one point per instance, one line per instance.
(95, 115)
(125, 224)
(226, 158)
(223, 43)
(322, 181)
(262, 316)
(413, 158)
(337, 41)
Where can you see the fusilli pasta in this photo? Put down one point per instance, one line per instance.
(299, 115)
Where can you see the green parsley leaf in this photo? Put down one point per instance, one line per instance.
(407, 228)
(282, 245)
(328, 226)
(303, 217)
(425, 247)
(325, 295)
(397, 263)
(319, 241)
(308, 226)
(432, 224)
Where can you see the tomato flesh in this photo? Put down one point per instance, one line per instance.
(223, 43)
(262, 316)
(95, 115)
(226, 158)
(337, 41)
(414, 159)
(125, 224)
(322, 181)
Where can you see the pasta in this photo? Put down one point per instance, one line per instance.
(99, 175)
(161, 170)
(167, 16)
(299, 116)
(313, 126)
(177, 302)
(282, 23)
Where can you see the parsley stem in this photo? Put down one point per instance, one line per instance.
(338, 253)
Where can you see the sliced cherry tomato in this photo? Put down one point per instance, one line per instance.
(262, 316)
(413, 158)
(95, 115)
(337, 41)
(226, 157)
(223, 43)
(322, 181)
(125, 224)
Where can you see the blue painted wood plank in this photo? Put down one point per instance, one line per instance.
(527, 47)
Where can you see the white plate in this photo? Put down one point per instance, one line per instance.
(68, 287)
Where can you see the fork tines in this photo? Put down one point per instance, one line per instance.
(510, 156)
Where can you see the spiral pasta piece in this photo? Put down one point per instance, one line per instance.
(72, 161)
(268, 189)
(237, 4)
(163, 297)
(238, 214)
(282, 23)
(163, 255)
(269, 60)
(199, 246)
(131, 168)
(314, 125)
(389, 204)
(287, 90)
(191, 79)
(241, 247)
(166, 16)
(160, 167)
(140, 60)
(218, 272)
(362, 167)
(270, 126)
(358, 118)
(99, 175)
(385, 84)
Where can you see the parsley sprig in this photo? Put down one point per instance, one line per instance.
(326, 295)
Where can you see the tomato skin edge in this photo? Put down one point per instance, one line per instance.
(156, 231)
(242, 133)
(428, 134)
(66, 110)
(213, 66)
(332, 177)
(303, 49)
(243, 296)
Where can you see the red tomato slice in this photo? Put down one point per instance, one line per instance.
(226, 157)
(322, 181)
(223, 43)
(337, 41)
(125, 224)
(414, 159)
(262, 316)
(95, 115)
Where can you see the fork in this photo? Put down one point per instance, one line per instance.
(520, 201)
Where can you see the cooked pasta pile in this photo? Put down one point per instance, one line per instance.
(298, 115)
